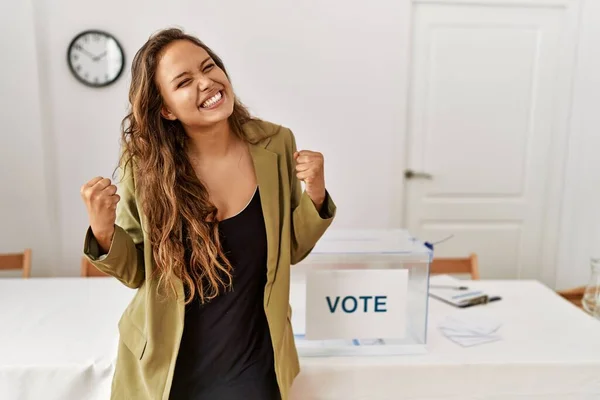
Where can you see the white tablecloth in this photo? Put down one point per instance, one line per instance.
(58, 339)
(550, 351)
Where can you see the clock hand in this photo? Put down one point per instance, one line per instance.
(97, 58)
(80, 48)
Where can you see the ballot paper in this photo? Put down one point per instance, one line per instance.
(470, 329)
(469, 326)
(456, 292)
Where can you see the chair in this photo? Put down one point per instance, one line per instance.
(17, 261)
(88, 270)
(574, 295)
(467, 265)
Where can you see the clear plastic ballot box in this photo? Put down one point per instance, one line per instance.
(361, 292)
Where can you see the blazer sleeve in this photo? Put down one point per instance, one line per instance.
(125, 258)
(308, 224)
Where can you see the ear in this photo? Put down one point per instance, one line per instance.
(167, 114)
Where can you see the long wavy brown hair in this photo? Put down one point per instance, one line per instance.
(181, 220)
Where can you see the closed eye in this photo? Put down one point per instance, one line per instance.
(208, 67)
(183, 83)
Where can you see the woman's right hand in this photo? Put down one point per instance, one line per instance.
(101, 198)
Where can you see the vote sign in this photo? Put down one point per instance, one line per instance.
(356, 304)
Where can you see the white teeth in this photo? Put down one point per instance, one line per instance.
(210, 102)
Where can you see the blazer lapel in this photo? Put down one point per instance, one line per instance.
(267, 175)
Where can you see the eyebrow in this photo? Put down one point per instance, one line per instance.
(187, 72)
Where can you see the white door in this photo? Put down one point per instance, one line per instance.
(486, 121)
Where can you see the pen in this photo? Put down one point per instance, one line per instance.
(481, 300)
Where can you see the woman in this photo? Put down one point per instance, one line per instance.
(210, 217)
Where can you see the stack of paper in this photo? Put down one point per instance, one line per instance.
(456, 292)
(470, 330)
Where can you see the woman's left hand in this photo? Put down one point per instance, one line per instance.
(309, 169)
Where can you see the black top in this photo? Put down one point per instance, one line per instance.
(226, 351)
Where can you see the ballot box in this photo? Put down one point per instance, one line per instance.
(361, 292)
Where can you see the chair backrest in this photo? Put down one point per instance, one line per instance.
(88, 270)
(450, 266)
(17, 261)
(574, 295)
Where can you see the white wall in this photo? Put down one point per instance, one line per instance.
(580, 234)
(292, 67)
(26, 208)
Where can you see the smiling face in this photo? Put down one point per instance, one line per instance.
(194, 89)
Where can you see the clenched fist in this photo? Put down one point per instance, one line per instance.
(310, 169)
(101, 198)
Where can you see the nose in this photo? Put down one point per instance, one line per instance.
(204, 83)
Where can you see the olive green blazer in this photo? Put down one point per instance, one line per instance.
(150, 328)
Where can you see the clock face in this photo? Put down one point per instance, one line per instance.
(95, 58)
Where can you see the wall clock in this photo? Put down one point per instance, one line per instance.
(95, 58)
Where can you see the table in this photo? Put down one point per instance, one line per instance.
(59, 337)
(58, 341)
(550, 351)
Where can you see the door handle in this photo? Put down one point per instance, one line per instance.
(410, 174)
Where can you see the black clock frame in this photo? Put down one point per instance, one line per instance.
(74, 73)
